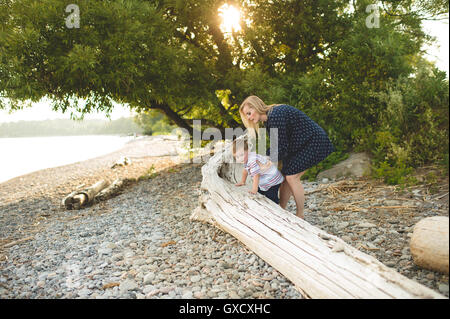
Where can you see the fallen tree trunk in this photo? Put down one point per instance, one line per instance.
(319, 264)
(80, 198)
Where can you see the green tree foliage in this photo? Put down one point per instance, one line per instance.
(367, 86)
(153, 122)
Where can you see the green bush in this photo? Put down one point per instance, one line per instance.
(394, 175)
(402, 123)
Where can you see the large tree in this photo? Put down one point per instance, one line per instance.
(171, 55)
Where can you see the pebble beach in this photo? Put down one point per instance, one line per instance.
(141, 244)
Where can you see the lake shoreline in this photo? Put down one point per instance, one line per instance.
(32, 154)
(46, 188)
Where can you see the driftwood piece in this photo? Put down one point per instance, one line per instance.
(111, 190)
(430, 243)
(80, 198)
(67, 201)
(123, 161)
(19, 241)
(319, 264)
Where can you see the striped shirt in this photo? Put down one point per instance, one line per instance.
(269, 173)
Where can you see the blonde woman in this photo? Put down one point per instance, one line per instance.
(302, 143)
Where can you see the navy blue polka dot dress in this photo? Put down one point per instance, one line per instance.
(301, 144)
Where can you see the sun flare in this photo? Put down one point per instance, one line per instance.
(230, 18)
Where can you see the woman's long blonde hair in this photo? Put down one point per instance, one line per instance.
(260, 107)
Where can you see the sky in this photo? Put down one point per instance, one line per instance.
(42, 111)
(439, 53)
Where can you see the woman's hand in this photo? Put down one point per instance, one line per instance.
(239, 184)
(253, 192)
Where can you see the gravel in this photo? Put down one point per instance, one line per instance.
(142, 245)
(382, 233)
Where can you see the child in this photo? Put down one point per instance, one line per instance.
(266, 177)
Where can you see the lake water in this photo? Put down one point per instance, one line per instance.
(23, 155)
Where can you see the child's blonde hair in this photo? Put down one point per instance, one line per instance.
(239, 143)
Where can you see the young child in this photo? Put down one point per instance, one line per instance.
(266, 177)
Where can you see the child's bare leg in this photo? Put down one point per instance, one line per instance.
(298, 191)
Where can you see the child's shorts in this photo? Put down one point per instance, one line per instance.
(271, 193)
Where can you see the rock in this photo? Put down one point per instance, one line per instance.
(241, 293)
(148, 278)
(233, 294)
(187, 295)
(390, 263)
(128, 285)
(152, 293)
(342, 225)
(357, 164)
(148, 289)
(166, 290)
(84, 293)
(211, 294)
(199, 295)
(195, 278)
(429, 244)
(117, 257)
(346, 238)
(443, 288)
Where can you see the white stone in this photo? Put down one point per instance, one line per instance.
(128, 285)
(148, 278)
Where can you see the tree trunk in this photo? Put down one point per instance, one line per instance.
(319, 264)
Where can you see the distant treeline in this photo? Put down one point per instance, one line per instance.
(62, 127)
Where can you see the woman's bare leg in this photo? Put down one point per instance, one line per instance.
(296, 188)
(285, 194)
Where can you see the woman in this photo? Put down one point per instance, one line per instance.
(302, 143)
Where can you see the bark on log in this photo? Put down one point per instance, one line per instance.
(80, 198)
(319, 264)
(111, 190)
(430, 243)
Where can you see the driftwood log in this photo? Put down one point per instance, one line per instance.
(430, 243)
(319, 264)
(111, 190)
(123, 161)
(80, 198)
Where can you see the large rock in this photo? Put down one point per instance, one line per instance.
(430, 244)
(356, 165)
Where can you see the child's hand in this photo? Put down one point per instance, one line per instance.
(253, 192)
(239, 184)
